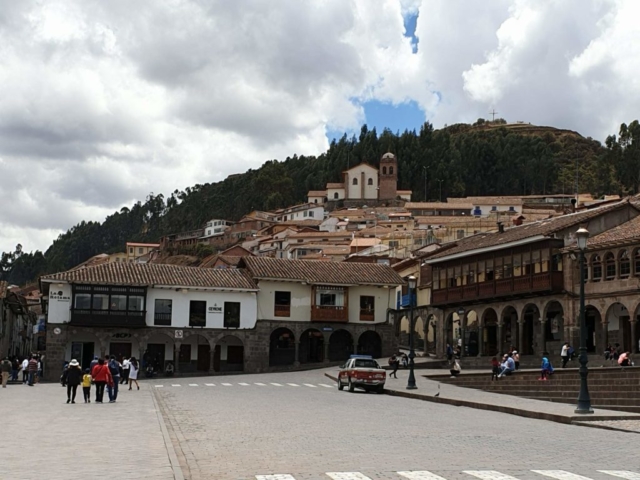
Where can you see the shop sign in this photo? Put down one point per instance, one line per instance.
(59, 296)
(121, 335)
(178, 334)
(327, 329)
(215, 308)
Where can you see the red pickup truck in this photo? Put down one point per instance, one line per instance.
(362, 371)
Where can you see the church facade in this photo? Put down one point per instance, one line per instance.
(364, 183)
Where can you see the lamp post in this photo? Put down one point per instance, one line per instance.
(440, 196)
(584, 400)
(411, 383)
(425, 182)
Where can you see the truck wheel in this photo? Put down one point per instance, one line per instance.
(351, 387)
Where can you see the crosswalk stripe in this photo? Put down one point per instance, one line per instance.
(261, 384)
(244, 384)
(276, 384)
(159, 386)
(560, 475)
(293, 384)
(193, 384)
(347, 476)
(174, 385)
(622, 474)
(325, 385)
(424, 475)
(309, 385)
(227, 384)
(209, 384)
(489, 475)
(275, 477)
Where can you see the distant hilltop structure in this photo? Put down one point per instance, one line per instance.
(364, 183)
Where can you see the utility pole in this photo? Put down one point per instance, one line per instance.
(425, 182)
(493, 114)
(440, 196)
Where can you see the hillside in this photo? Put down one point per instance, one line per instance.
(480, 159)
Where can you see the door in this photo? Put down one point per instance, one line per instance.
(235, 357)
(626, 334)
(204, 358)
(156, 355)
(216, 358)
(491, 340)
(120, 350)
(591, 333)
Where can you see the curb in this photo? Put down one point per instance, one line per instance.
(171, 451)
(502, 409)
(604, 427)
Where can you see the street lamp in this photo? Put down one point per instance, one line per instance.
(411, 384)
(584, 400)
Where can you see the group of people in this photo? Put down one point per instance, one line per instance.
(31, 368)
(105, 373)
(615, 354)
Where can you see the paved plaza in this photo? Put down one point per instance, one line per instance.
(291, 426)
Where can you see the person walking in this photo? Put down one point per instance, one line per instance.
(5, 371)
(125, 371)
(25, 370)
(86, 386)
(564, 354)
(114, 369)
(101, 377)
(33, 370)
(449, 353)
(73, 379)
(394, 363)
(495, 368)
(15, 366)
(134, 367)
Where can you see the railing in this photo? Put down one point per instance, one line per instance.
(325, 313)
(405, 300)
(547, 281)
(162, 319)
(107, 318)
(282, 310)
(367, 315)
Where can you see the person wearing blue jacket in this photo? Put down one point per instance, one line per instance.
(546, 369)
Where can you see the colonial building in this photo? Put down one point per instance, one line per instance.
(18, 323)
(365, 182)
(265, 314)
(136, 250)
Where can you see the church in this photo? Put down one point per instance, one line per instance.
(364, 182)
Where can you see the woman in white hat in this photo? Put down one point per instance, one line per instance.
(74, 377)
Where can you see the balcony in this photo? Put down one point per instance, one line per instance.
(108, 318)
(405, 301)
(504, 287)
(367, 315)
(326, 313)
(282, 310)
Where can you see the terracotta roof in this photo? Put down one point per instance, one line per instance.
(320, 235)
(437, 206)
(364, 242)
(625, 232)
(328, 273)
(3, 289)
(147, 274)
(211, 260)
(335, 185)
(317, 193)
(541, 228)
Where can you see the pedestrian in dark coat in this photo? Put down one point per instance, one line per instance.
(74, 378)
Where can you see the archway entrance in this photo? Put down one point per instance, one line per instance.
(418, 334)
(194, 355)
(403, 339)
(432, 334)
(452, 329)
(490, 332)
(228, 356)
(509, 339)
(340, 345)
(311, 346)
(370, 343)
(593, 322)
(619, 327)
(160, 351)
(472, 334)
(530, 315)
(282, 347)
(554, 327)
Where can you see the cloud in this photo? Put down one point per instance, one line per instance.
(106, 102)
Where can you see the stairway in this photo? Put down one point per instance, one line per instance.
(611, 388)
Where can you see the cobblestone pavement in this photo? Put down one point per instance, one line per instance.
(45, 438)
(631, 425)
(289, 424)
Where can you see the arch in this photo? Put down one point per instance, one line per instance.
(384, 170)
(282, 347)
(418, 333)
(432, 334)
(403, 338)
(228, 354)
(509, 320)
(636, 329)
(335, 195)
(554, 325)
(610, 266)
(311, 346)
(490, 332)
(81, 347)
(354, 181)
(194, 354)
(596, 267)
(370, 181)
(636, 262)
(452, 329)
(340, 345)
(619, 326)
(595, 333)
(624, 263)
(160, 350)
(472, 333)
(530, 318)
(370, 343)
(390, 170)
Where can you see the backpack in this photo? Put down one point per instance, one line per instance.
(114, 369)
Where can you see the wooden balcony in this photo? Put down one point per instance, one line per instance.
(551, 282)
(282, 310)
(108, 318)
(367, 315)
(324, 313)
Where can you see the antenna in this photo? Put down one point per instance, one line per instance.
(493, 114)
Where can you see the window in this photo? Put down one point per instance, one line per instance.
(384, 170)
(162, 312)
(459, 234)
(140, 251)
(355, 181)
(197, 313)
(282, 304)
(136, 303)
(130, 250)
(118, 302)
(390, 170)
(596, 268)
(610, 264)
(315, 200)
(335, 195)
(370, 181)
(636, 262)
(100, 301)
(328, 297)
(82, 301)
(311, 213)
(393, 243)
(625, 264)
(367, 307)
(231, 314)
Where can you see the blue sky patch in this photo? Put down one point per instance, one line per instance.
(410, 23)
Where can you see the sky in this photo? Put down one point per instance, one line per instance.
(105, 102)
